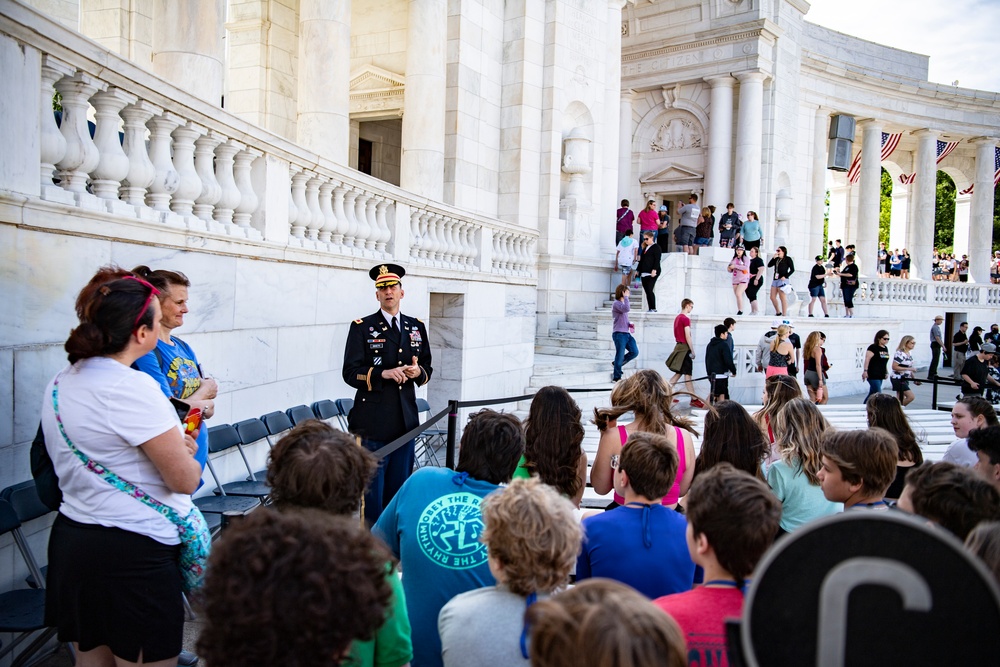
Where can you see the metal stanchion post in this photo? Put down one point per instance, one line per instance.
(452, 431)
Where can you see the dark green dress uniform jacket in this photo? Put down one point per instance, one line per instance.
(384, 410)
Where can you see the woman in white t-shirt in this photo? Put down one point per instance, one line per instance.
(114, 586)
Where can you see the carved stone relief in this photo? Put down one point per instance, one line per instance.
(677, 134)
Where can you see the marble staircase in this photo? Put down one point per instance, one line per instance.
(578, 352)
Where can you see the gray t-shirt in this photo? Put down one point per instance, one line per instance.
(936, 333)
(689, 215)
(482, 628)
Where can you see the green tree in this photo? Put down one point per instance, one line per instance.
(944, 213)
(885, 208)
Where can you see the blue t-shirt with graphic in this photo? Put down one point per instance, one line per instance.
(179, 376)
(433, 525)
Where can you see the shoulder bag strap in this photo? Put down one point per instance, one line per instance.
(111, 478)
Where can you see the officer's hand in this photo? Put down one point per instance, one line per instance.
(394, 374)
(413, 370)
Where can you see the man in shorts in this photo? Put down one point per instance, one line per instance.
(684, 235)
(681, 360)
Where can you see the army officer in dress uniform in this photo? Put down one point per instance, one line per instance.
(387, 357)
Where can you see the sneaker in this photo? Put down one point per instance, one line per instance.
(652, 310)
(739, 312)
(827, 315)
(811, 315)
(697, 403)
(187, 659)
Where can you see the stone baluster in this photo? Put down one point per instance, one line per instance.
(338, 212)
(293, 210)
(350, 195)
(81, 155)
(415, 239)
(326, 206)
(376, 233)
(315, 212)
(465, 241)
(521, 257)
(496, 250)
(230, 198)
(189, 182)
(385, 234)
(426, 240)
(52, 143)
(248, 197)
(211, 191)
(451, 247)
(507, 244)
(141, 171)
(113, 165)
(304, 217)
(430, 233)
(167, 180)
(359, 213)
(438, 236)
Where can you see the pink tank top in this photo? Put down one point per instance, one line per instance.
(675, 491)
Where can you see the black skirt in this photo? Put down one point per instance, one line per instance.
(111, 587)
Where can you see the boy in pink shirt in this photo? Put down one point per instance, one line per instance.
(732, 520)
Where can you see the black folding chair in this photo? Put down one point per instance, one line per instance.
(252, 431)
(344, 405)
(223, 438)
(430, 441)
(326, 410)
(299, 414)
(276, 423)
(222, 502)
(22, 611)
(23, 497)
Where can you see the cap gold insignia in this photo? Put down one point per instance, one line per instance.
(382, 270)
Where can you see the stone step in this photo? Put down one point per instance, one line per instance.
(582, 324)
(593, 317)
(575, 343)
(580, 334)
(575, 353)
(573, 379)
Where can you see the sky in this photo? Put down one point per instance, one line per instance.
(960, 36)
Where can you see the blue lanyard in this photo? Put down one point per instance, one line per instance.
(531, 599)
(741, 587)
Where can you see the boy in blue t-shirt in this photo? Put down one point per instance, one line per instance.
(642, 543)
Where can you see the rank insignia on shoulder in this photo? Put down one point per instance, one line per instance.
(358, 321)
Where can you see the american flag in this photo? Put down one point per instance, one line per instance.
(944, 149)
(907, 179)
(889, 143)
(996, 173)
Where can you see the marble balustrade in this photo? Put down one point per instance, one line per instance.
(876, 291)
(173, 162)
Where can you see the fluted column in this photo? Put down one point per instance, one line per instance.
(749, 137)
(324, 73)
(81, 155)
(189, 182)
(921, 236)
(188, 45)
(981, 223)
(818, 199)
(113, 165)
(869, 196)
(422, 163)
(52, 143)
(625, 145)
(166, 180)
(204, 159)
(720, 142)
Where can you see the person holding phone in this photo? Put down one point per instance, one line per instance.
(172, 362)
(113, 585)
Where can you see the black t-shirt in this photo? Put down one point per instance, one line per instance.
(756, 264)
(977, 372)
(975, 341)
(850, 272)
(960, 342)
(817, 276)
(879, 362)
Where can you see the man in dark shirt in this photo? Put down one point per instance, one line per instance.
(975, 373)
(959, 348)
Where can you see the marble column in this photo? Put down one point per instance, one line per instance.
(720, 142)
(608, 157)
(962, 231)
(869, 196)
(817, 202)
(897, 219)
(921, 233)
(625, 145)
(749, 140)
(189, 46)
(324, 78)
(981, 219)
(422, 162)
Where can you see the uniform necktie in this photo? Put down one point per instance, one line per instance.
(395, 327)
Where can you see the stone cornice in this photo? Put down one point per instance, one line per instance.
(764, 30)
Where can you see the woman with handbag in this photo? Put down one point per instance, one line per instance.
(127, 538)
(848, 283)
(784, 267)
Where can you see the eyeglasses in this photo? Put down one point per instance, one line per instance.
(615, 458)
(149, 299)
(884, 338)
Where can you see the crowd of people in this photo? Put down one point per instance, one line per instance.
(493, 562)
